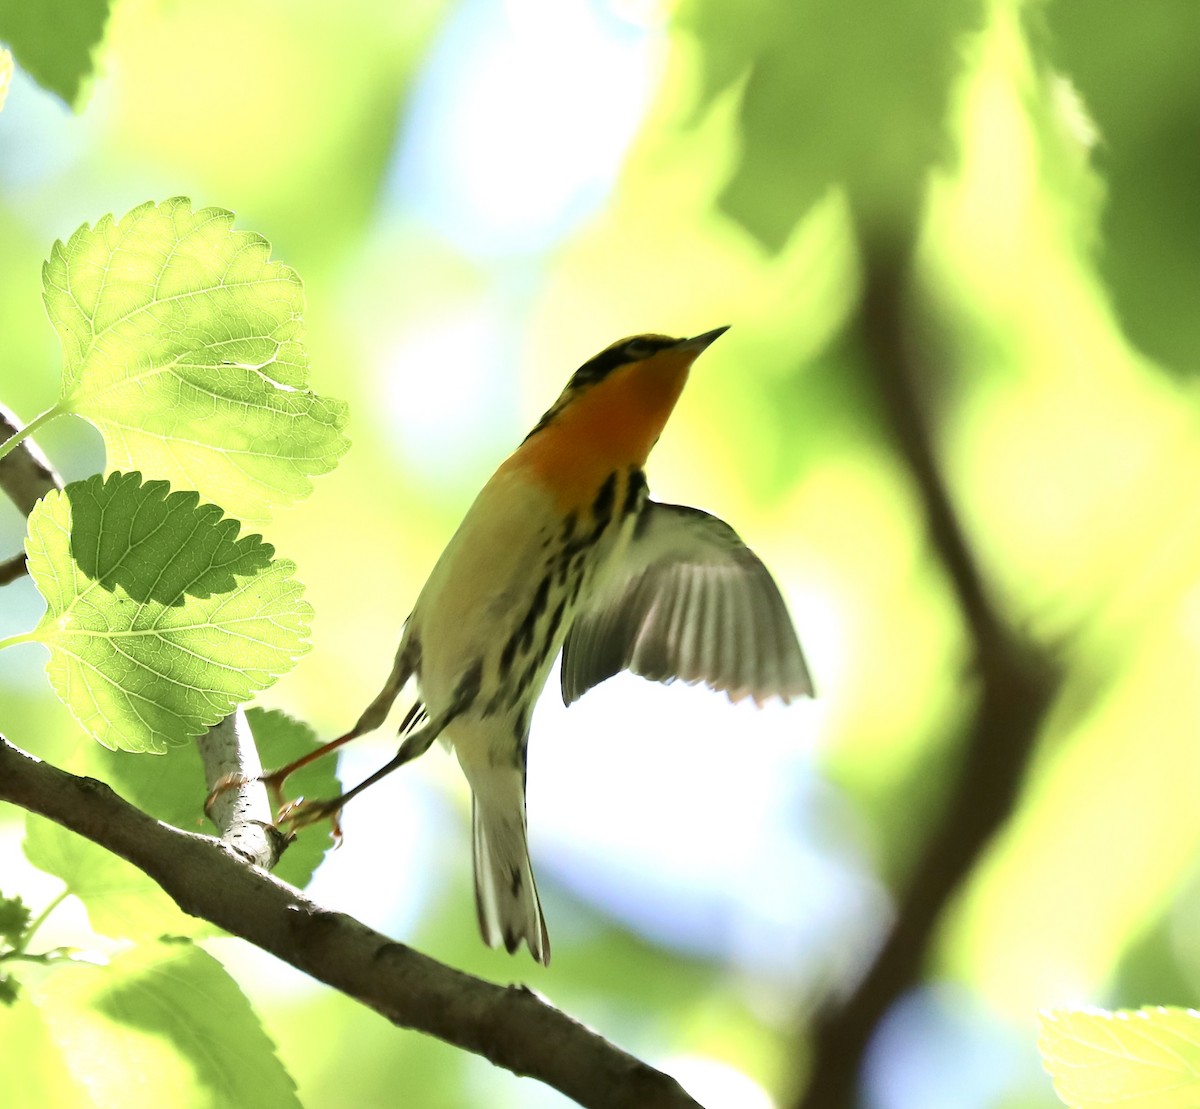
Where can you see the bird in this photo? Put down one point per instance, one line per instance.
(563, 549)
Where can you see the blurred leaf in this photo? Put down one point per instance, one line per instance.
(14, 920)
(1144, 1059)
(849, 94)
(170, 789)
(1135, 67)
(1153, 965)
(159, 620)
(6, 72)
(54, 39)
(36, 1072)
(121, 901)
(281, 739)
(181, 1023)
(182, 344)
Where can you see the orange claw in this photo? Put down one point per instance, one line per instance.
(273, 781)
(230, 781)
(300, 814)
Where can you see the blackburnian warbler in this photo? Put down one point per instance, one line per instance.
(564, 549)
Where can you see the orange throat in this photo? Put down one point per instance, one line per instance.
(612, 426)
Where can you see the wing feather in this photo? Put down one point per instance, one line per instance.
(691, 602)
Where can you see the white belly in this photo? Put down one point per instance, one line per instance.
(482, 585)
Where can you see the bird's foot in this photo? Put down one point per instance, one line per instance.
(273, 782)
(301, 814)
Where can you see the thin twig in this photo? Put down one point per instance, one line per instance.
(13, 568)
(25, 475)
(242, 813)
(1016, 686)
(511, 1026)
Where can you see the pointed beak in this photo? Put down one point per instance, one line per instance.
(701, 341)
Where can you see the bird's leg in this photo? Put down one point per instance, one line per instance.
(274, 779)
(300, 814)
(374, 715)
(417, 742)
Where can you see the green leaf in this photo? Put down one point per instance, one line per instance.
(1135, 68)
(845, 93)
(159, 620)
(182, 344)
(163, 1017)
(14, 920)
(170, 789)
(280, 740)
(54, 40)
(121, 901)
(35, 1069)
(1143, 1059)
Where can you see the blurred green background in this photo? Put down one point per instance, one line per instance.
(480, 195)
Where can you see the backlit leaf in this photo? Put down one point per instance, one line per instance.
(182, 343)
(1144, 1059)
(162, 1024)
(121, 901)
(159, 619)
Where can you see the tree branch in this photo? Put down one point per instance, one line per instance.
(1016, 688)
(511, 1026)
(13, 568)
(25, 475)
(242, 813)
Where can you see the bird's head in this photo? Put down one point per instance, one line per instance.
(618, 402)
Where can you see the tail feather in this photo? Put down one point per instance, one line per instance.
(505, 894)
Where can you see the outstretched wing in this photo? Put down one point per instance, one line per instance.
(690, 601)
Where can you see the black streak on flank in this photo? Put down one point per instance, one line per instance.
(568, 525)
(468, 686)
(507, 656)
(556, 620)
(522, 640)
(577, 565)
(521, 686)
(536, 609)
(515, 878)
(602, 506)
(635, 493)
(573, 551)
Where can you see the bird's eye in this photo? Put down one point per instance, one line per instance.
(637, 349)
